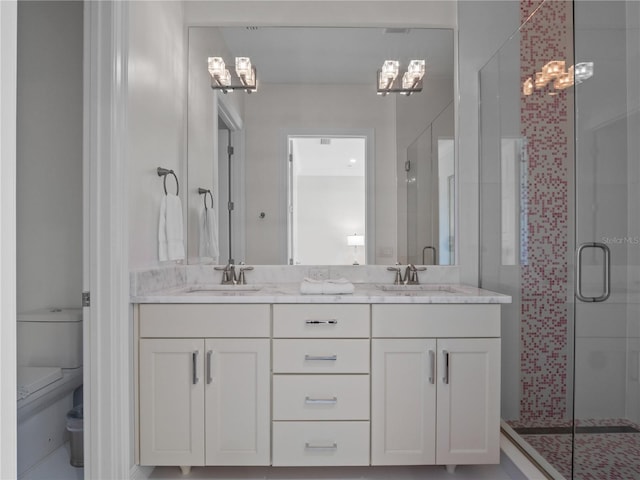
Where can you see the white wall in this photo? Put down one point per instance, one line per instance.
(483, 26)
(49, 154)
(156, 118)
(8, 60)
(430, 13)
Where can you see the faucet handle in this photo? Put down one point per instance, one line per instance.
(398, 270)
(241, 277)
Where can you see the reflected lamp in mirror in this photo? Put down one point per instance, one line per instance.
(245, 75)
(355, 241)
(411, 79)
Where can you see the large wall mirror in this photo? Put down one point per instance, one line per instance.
(315, 167)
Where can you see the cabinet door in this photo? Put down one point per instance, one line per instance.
(468, 401)
(171, 402)
(237, 397)
(403, 402)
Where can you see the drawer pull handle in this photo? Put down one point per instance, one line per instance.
(320, 401)
(432, 367)
(447, 373)
(194, 361)
(329, 446)
(209, 367)
(333, 321)
(330, 358)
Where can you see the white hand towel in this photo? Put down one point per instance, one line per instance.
(208, 234)
(170, 229)
(326, 287)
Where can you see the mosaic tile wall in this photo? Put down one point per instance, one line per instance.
(545, 124)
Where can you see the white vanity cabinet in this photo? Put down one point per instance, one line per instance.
(321, 357)
(435, 388)
(318, 384)
(204, 384)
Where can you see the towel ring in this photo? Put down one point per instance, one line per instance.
(163, 172)
(205, 192)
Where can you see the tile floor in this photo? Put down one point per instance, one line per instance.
(598, 456)
(55, 466)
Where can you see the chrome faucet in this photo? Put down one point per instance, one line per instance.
(411, 274)
(228, 274)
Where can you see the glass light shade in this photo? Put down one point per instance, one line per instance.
(408, 81)
(217, 67)
(388, 73)
(554, 69)
(527, 87)
(583, 71)
(243, 67)
(416, 69)
(355, 240)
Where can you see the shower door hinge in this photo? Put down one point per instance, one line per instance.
(86, 299)
(230, 206)
(291, 157)
(407, 166)
(230, 150)
(291, 261)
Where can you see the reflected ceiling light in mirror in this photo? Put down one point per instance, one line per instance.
(221, 78)
(554, 74)
(411, 79)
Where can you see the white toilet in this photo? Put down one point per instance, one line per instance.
(49, 344)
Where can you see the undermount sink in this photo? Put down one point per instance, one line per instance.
(441, 289)
(224, 289)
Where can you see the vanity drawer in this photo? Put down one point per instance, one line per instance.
(321, 397)
(321, 321)
(430, 321)
(320, 356)
(320, 443)
(169, 320)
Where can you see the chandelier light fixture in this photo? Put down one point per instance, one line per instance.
(553, 74)
(411, 81)
(245, 77)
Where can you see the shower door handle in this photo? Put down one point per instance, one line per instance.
(606, 272)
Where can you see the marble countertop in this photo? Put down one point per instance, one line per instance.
(290, 293)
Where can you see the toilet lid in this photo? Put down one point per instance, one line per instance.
(32, 379)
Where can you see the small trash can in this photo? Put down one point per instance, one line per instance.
(75, 426)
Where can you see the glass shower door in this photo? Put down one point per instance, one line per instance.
(607, 233)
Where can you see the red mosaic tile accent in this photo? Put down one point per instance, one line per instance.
(545, 124)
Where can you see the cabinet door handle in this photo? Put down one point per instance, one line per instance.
(432, 367)
(332, 321)
(320, 401)
(445, 379)
(209, 367)
(330, 358)
(328, 446)
(194, 359)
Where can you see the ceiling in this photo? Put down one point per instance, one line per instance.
(320, 55)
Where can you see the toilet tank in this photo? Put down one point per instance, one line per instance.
(50, 337)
